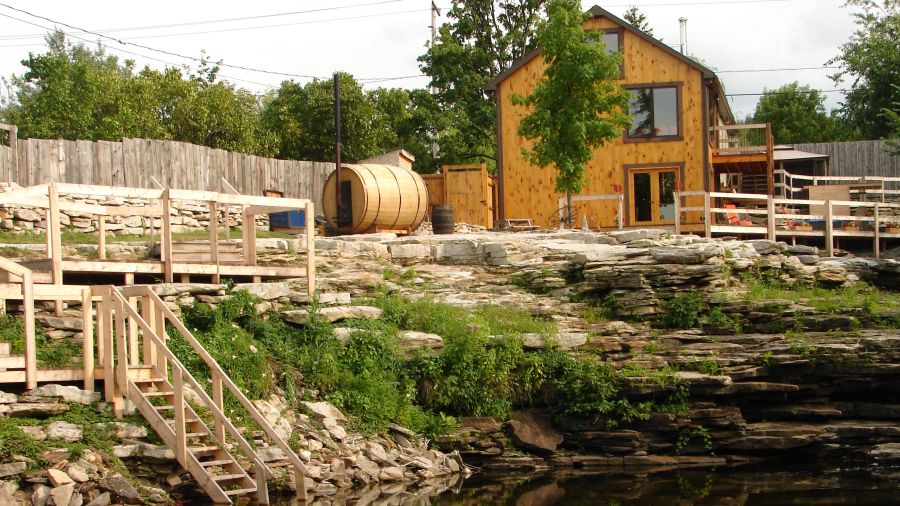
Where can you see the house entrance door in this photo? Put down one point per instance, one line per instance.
(652, 196)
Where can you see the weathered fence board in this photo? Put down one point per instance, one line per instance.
(856, 158)
(132, 162)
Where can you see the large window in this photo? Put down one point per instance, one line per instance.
(612, 43)
(654, 113)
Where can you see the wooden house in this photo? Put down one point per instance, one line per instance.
(682, 137)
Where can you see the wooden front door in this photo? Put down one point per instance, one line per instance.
(652, 196)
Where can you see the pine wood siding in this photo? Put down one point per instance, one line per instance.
(529, 191)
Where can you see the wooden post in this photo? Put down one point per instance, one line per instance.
(770, 160)
(121, 371)
(109, 379)
(55, 242)
(620, 202)
(134, 357)
(829, 229)
(87, 332)
(13, 153)
(770, 207)
(162, 363)
(878, 229)
(218, 400)
(178, 404)
(101, 241)
(30, 346)
(149, 349)
(707, 216)
(248, 230)
(214, 237)
(262, 488)
(165, 237)
(677, 212)
(310, 249)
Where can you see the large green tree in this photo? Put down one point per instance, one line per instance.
(638, 19)
(577, 105)
(870, 61)
(797, 114)
(481, 40)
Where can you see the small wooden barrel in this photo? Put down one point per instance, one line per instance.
(381, 197)
(442, 219)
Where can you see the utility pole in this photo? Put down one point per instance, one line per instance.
(435, 12)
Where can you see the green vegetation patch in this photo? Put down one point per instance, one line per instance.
(50, 352)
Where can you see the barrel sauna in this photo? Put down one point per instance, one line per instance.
(380, 198)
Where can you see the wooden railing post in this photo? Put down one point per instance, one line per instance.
(55, 241)
(878, 229)
(677, 212)
(707, 216)
(262, 488)
(829, 229)
(218, 400)
(214, 237)
(30, 345)
(310, 249)
(165, 237)
(109, 380)
(770, 224)
(149, 349)
(620, 202)
(101, 240)
(178, 405)
(134, 357)
(13, 153)
(87, 332)
(121, 370)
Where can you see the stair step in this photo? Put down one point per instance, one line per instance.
(240, 491)
(196, 434)
(229, 477)
(186, 420)
(211, 463)
(164, 408)
(149, 380)
(159, 394)
(203, 449)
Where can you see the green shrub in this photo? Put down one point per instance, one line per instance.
(682, 311)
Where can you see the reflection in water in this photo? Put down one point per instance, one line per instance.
(687, 487)
(761, 485)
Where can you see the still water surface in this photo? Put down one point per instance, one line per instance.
(760, 485)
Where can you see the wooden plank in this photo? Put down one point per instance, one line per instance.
(165, 237)
(55, 242)
(28, 319)
(829, 230)
(219, 402)
(101, 237)
(121, 345)
(310, 250)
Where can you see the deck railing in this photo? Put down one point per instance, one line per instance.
(23, 276)
(742, 139)
(886, 187)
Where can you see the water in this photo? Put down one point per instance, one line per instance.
(760, 485)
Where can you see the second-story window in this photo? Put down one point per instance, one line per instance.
(612, 43)
(654, 112)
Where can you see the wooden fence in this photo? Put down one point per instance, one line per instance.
(856, 158)
(133, 162)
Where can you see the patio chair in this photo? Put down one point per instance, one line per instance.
(736, 219)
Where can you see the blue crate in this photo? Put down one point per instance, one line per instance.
(287, 220)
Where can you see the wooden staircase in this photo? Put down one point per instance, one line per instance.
(140, 372)
(132, 321)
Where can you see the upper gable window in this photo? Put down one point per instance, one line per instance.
(655, 112)
(613, 43)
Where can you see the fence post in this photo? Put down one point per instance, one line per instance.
(13, 153)
(677, 212)
(121, 374)
(55, 241)
(770, 207)
(165, 237)
(829, 229)
(620, 201)
(214, 237)
(178, 407)
(101, 240)
(218, 400)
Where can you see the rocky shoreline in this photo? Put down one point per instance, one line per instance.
(770, 378)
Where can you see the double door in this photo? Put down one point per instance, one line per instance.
(652, 196)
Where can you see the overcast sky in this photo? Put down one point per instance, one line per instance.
(375, 39)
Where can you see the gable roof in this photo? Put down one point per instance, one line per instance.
(597, 12)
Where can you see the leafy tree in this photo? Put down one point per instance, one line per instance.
(797, 114)
(638, 19)
(482, 39)
(74, 92)
(870, 60)
(302, 117)
(893, 118)
(577, 105)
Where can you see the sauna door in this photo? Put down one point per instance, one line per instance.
(652, 196)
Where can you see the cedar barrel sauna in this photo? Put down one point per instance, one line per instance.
(379, 197)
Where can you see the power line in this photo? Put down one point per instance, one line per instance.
(783, 93)
(774, 70)
(679, 4)
(223, 20)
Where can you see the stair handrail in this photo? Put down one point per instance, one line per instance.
(216, 369)
(185, 375)
(26, 276)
